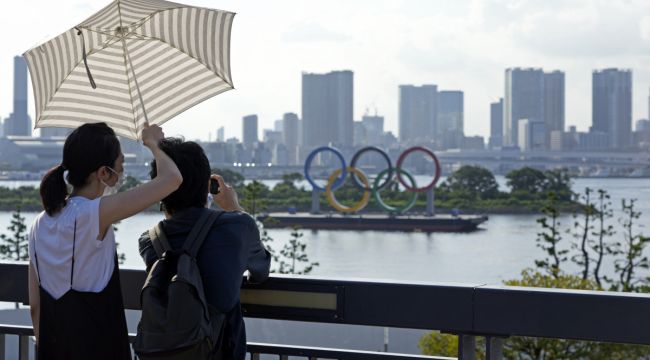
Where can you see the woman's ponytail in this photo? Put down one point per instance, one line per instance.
(54, 190)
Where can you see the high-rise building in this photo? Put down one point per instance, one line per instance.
(532, 134)
(612, 105)
(277, 125)
(449, 129)
(417, 113)
(373, 129)
(19, 122)
(272, 137)
(524, 94)
(554, 101)
(249, 133)
(291, 136)
(221, 134)
(327, 109)
(496, 124)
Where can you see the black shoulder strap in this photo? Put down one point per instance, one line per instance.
(159, 240)
(200, 231)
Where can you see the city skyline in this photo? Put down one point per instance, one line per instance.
(452, 44)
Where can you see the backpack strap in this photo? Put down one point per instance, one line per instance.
(159, 240)
(200, 231)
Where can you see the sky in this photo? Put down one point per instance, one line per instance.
(458, 45)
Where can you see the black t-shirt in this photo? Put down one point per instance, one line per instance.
(233, 246)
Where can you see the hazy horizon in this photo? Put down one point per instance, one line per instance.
(460, 45)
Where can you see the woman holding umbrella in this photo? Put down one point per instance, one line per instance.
(74, 288)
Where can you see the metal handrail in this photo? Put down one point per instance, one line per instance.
(465, 309)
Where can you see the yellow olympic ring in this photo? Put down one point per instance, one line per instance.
(332, 199)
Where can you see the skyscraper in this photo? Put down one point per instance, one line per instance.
(449, 131)
(290, 136)
(249, 133)
(612, 105)
(19, 122)
(417, 113)
(524, 92)
(554, 101)
(221, 134)
(374, 129)
(327, 108)
(496, 124)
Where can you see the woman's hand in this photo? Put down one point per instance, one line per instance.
(227, 196)
(151, 135)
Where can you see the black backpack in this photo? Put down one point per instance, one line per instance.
(177, 322)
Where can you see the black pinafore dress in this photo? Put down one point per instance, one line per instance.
(83, 325)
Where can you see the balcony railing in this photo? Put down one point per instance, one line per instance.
(469, 311)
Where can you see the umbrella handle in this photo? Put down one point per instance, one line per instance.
(83, 51)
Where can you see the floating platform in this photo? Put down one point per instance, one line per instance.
(376, 222)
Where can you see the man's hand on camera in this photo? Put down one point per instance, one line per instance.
(227, 196)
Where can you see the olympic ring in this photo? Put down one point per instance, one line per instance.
(392, 209)
(360, 180)
(332, 199)
(311, 157)
(400, 160)
(381, 152)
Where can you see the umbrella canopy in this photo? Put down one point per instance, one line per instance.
(133, 62)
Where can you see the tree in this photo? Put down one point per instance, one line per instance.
(254, 197)
(631, 250)
(14, 246)
(601, 247)
(549, 238)
(231, 177)
(291, 178)
(293, 253)
(559, 182)
(526, 179)
(129, 183)
(476, 181)
(582, 230)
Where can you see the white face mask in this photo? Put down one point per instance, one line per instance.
(111, 190)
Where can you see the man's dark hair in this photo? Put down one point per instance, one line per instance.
(194, 166)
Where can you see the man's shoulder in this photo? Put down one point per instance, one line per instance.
(235, 218)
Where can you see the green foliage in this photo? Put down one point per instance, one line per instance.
(475, 182)
(291, 178)
(439, 344)
(231, 177)
(254, 197)
(129, 183)
(630, 251)
(26, 198)
(293, 258)
(549, 238)
(526, 180)
(14, 246)
(600, 246)
(582, 229)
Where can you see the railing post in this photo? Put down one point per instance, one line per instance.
(494, 348)
(255, 356)
(2, 346)
(23, 347)
(466, 347)
(284, 357)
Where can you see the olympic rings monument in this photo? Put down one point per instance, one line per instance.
(395, 219)
(361, 181)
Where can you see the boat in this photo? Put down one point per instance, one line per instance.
(374, 222)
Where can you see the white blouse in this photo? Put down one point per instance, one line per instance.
(53, 239)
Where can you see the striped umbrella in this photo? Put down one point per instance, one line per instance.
(133, 62)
